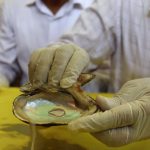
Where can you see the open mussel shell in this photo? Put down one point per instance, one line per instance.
(47, 108)
(44, 105)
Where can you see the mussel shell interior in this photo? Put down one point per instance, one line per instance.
(43, 108)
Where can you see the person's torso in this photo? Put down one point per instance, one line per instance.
(131, 59)
(35, 27)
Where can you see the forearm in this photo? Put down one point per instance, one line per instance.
(3, 81)
(8, 71)
(92, 32)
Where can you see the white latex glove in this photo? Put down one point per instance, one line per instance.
(126, 117)
(57, 65)
(3, 81)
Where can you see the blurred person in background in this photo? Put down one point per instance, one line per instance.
(26, 25)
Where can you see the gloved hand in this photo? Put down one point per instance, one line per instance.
(126, 116)
(3, 81)
(57, 65)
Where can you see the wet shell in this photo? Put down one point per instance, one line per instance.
(42, 106)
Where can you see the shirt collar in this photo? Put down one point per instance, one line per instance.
(82, 3)
(72, 3)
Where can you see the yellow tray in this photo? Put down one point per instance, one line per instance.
(16, 135)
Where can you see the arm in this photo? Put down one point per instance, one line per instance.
(93, 31)
(8, 54)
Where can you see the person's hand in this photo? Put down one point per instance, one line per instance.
(3, 81)
(126, 117)
(58, 65)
